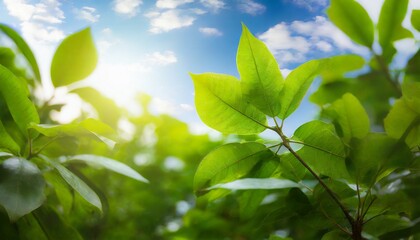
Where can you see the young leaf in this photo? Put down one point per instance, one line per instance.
(227, 163)
(261, 80)
(322, 149)
(6, 141)
(296, 85)
(256, 183)
(334, 67)
(20, 106)
(109, 164)
(352, 19)
(220, 105)
(402, 121)
(351, 117)
(415, 19)
(23, 48)
(411, 95)
(74, 59)
(21, 187)
(389, 26)
(79, 185)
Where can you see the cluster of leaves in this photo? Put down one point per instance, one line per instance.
(38, 156)
(345, 177)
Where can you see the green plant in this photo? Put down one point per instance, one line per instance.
(333, 179)
(38, 156)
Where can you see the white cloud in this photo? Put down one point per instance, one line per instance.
(40, 33)
(214, 5)
(311, 5)
(107, 31)
(87, 13)
(37, 20)
(292, 42)
(162, 58)
(169, 20)
(251, 7)
(171, 3)
(127, 7)
(210, 31)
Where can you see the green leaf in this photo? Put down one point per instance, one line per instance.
(411, 95)
(21, 187)
(261, 80)
(20, 106)
(334, 67)
(220, 105)
(75, 59)
(109, 164)
(23, 48)
(228, 163)
(376, 156)
(389, 26)
(256, 183)
(87, 128)
(403, 122)
(351, 117)
(6, 141)
(335, 235)
(291, 168)
(353, 20)
(79, 185)
(296, 85)
(107, 110)
(376, 228)
(415, 19)
(322, 149)
(54, 226)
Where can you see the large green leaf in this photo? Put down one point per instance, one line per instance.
(402, 121)
(296, 85)
(322, 149)
(110, 164)
(334, 67)
(6, 141)
(23, 48)
(20, 106)
(74, 59)
(79, 185)
(21, 187)
(394, 222)
(415, 19)
(352, 118)
(389, 26)
(352, 19)
(220, 105)
(261, 80)
(107, 110)
(228, 163)
(411, 94)
(376, 156)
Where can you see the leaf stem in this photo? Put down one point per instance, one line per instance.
(286, 144)
(388, 76)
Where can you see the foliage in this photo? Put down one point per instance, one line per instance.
(345, 176)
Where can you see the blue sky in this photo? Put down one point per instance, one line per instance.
(151, 45)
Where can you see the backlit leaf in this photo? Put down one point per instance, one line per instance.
(261, 80)
(228, 163)
(20, 106)
(220, 105)
(6, 141)
(21, 187)
(74, 59)
(389, 26)
(296, 85)
(109, 164)
(353, 20)
(351, 117)
(415, 19)
(23, 48)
